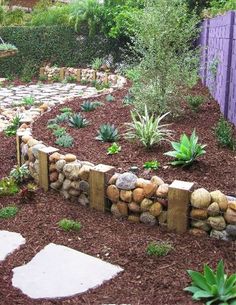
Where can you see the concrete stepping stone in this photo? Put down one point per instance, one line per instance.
(9, 242)
(58, 271)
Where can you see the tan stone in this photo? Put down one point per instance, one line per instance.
(113, 178)
(115, 211)
(70, 158)
(44, 107)
(213, 209)
(230, 216)
(32, 142)
(54, 157)
(200, 198)
(23, 126)
(146, 205)
(198, 232)
(149, 189)
(53, 177)
(134, 207)
(52, 167)
(221, 199)
(201, 224)
(155, 209)
(157, 180)
(74, 192)
(198, 213)
(232, 205)
(140, 182)
(134, 218)
(113, 193)
(162, 190)
(123, 208)
(138, 195)
(31, 155)
(84, 172)
(126, 195)
(26, 138)
(217, 223)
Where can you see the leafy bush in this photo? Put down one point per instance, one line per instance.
(224, 134)
(28, 101)
(77, 121)
(186, 151)
(113, 149)
(195, 101)
(108, 133)
(216, 287)
(19, 173)
(7, 47)
(164, 33)
(8, 212)
(63, 117)
(128, 99)
(28, 193)
(147, 129)
(69, 225)
(151, 165)
(110, 98)
(97, 63)
(13, 126)
(159, 248)
(66, 110)
(8, 186)
(218, 7)
(65, 140)
(70, 79)
(60, 131)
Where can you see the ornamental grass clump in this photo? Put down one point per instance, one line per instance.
(186, 151)
(8, 212)
(69, 225)
(161, 248)
(147, 129)
(214, 287)
(78, 121)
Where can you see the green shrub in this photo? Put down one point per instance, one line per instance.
(108, 133)
(66, 110)
(56, 78)
(7, 47)
(52, 125)
(28, 101)
(159, 248)
(110, 98)
(88, 106)
(63, 117)
(77, 121)
(216, 287)
(59, 131)
(113, 149)
(186, 151)
(70, 79)
(147, 129)
(13, 126)
(8, 212)
(151, 165)
(19, 173)
(224, 134)
(65, 141)
(8, 186)
(69, 225)
(195, 101)
(97, 63)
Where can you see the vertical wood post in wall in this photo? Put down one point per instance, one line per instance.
(42, 71)
(106, 78)
(78, 75)
(44, 154)
(94, 75)
(98, 179)
(178, 206)
(62, 74)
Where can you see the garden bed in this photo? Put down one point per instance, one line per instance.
(215, 170)
(146, 280)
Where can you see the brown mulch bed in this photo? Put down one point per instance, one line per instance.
(215, 170)
(23, 3)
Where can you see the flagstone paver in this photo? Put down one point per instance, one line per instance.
(58, 271)
(9, 242)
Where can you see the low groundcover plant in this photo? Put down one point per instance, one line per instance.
(68, 225)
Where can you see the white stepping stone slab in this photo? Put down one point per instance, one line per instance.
(9, 242)
(58, 271)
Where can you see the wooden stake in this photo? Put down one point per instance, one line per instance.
(62, 73)
(94, 75)
(42, 71)
(97, 184)
(44, 154)
(106, 78)
(178, 206)
(78, 75)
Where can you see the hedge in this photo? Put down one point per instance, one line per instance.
(58, 45)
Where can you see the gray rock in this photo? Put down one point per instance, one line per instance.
(71, 170)
(126, 181)
(66, 185)
(56, 185)
(73, 192)
(231, 230)
(83, 200)
(148, 219)
(35, 149)
(84, 186)
(61, 177)
(223, 235)
(60, 164)
(200, 224)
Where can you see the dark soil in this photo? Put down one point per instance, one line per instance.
(145, 281)
(215, 170)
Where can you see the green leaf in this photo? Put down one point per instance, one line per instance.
(220, 276)
(230, 282)
(202, 294)
(209, 275)
(192, 289)
(199, 280)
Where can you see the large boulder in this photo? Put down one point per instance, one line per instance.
(223, 235)
(200, 198)
(60, 165)
(201, 224)
(126, 181)
(134, 207)
(149, 189)
(162, 190)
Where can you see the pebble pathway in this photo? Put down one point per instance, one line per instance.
(51, 94)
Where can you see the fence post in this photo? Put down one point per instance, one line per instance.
(78, 75)
(205, 51)
(178, 206)
(229, 63)
(98, 179)
(42, 71)
(44, 154)
(62, 74)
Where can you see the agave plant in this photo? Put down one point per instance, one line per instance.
(217, 287)
(88, 106)
(186, 151)
(77, 121)
(147, 129)
(108, 133)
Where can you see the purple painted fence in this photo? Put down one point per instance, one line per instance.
(218, 61)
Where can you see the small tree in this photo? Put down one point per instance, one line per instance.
(163, 41)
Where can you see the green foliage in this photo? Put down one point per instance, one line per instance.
(8, 212)
(12, 17)
(97, 63)
(28, 101)
(28, 193)
(56, 78)
(70, 79)
(187, 150)
(110, 98)
(88, 106)
(19, 173)
(77, 121)
(66, 110)
(65, 141)
(218, 7)
(147, 129)
(13, 126)
(52, 125)
(152, 165)
(195, 101)
(164, 34)
(216, 287)
(113, 149)
(63, 117)
(224, 134)
(128, 99)
(69, 225)
(8, 186)
(7, 47)
(108, 133)
(43, 78)
(161, 248)
(59, 131)
(100, 85)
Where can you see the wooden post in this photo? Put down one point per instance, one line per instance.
(44, 154)
(97, 185)
(42, 71)
(62, 74)
(78, 75)
(178, 205)
(94, 75)
(106, 78)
